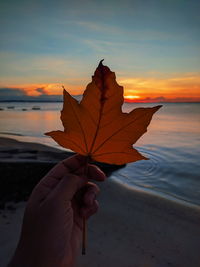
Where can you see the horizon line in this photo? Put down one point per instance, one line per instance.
(129, 102)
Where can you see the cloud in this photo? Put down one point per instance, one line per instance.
(11, 92)
(21, 94)
(18, 94)
(186, 86)
(42, 91)
(176, 87)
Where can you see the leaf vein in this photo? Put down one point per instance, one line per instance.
(84, 137)
(76, 145)
(120, 129)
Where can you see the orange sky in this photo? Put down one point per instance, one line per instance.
(154, 50)
(185, 86)
(182, 87)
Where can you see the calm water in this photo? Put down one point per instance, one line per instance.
(172, 143)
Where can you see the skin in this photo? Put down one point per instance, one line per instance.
(52, 227)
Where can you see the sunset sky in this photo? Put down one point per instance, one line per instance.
(152, 46)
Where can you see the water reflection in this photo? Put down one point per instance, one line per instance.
(172, 143)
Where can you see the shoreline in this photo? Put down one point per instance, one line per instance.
(26, 142)
(31, 139)
(131, 229)
(25, 163)
(144, 230)
(159, 194)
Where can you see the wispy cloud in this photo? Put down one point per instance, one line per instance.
(22, 94)
(182, 86)
(175, 88)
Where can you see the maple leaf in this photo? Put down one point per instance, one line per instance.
(96, 127)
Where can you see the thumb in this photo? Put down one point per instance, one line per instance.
(68, 186)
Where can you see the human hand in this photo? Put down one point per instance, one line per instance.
(52, 227)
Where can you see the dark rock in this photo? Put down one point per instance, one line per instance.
(19, 178)
(10, 207)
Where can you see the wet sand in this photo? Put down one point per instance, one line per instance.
(131, 229)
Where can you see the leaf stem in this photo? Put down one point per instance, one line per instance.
(84, 232)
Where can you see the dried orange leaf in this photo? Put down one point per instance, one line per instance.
(97, 127)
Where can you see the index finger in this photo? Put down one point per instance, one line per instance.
(67, 165)
(75, 162)
(74, 165)
(91, 172)
(77, 165)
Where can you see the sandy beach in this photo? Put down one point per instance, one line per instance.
(131, 229)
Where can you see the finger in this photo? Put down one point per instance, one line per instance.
(67, 165)
(77, 165)
(48, 182)
(86, 212)
(75, 162)
(92, 172)
(52, 178)
(91, 192)
(67, 187)
(43, 188)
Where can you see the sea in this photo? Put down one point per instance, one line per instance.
(172, 144)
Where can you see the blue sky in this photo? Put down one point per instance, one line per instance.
(61, 42)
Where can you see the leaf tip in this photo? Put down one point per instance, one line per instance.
(48, 133)
(64, 90)
(102, 70)
(156, 108)
(100, 63)
(159, 106)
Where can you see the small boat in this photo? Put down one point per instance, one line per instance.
(36, 108)
(24, 109)
(10, 107)
(1, 108)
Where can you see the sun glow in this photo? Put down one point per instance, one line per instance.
(131, 97)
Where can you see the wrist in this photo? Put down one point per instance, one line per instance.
(21, 258)
(25, 257)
